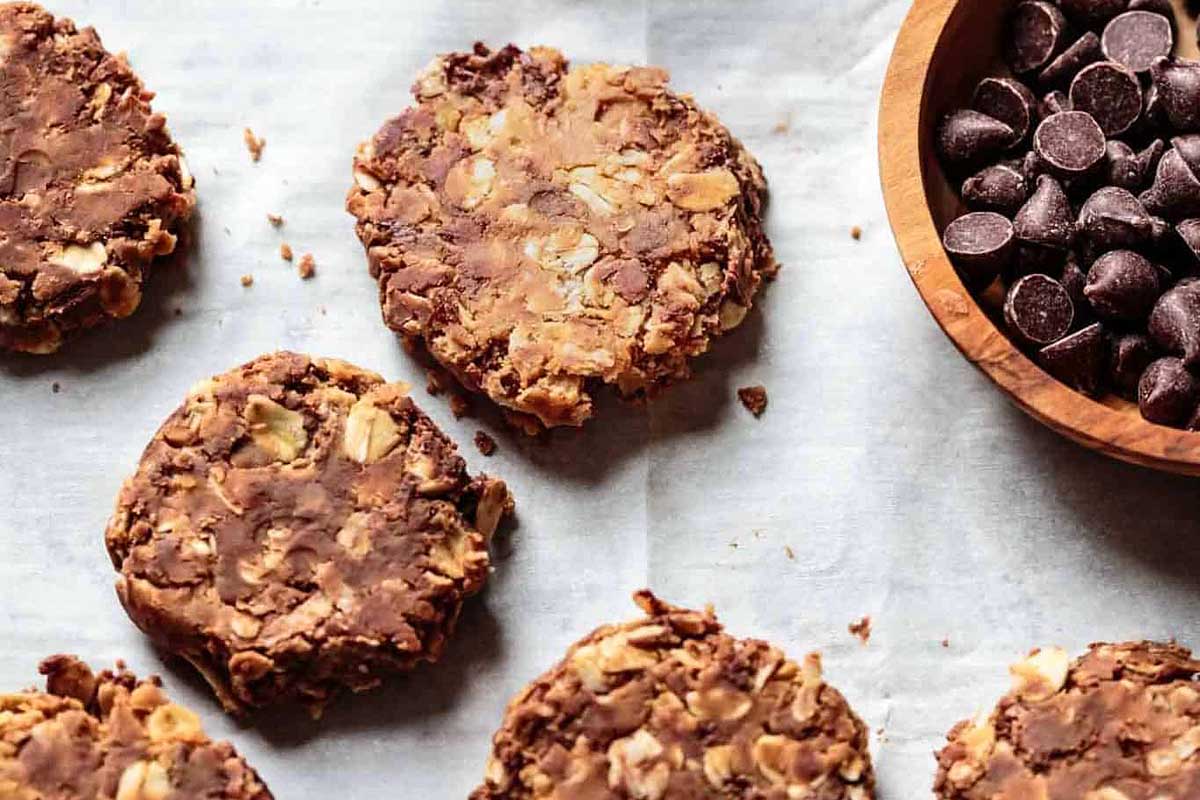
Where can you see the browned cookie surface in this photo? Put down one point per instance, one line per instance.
(112, 737)
(297, 526)
(92, 188)
(1120, 723)
(545, 230)
(672, 708)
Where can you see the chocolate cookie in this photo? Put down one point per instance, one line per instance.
(297, 526)
(672, 708)
(99, 737)
(544, 230)
(92, 189)
(1120, 723)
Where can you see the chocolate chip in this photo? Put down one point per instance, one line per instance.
(1009, 101)
(980, 244)
(1078, 360)
(997, 188)
(1070, 143)
(1178, 84)
(1038, 310)
(1122, 285)
(1154, 117)
(1167, 392)
(1054, 102)
(1034, 34)
(1074, 279)
(968, 137)
(1188, 147)
(1163, 7)
(1175, 321)
(1130, 354)
(1092, 13)
(1113, 218)
(1121, 166)
(1083, 51)
(1046, 218)
(1110, 93)
(1137, 39)
(1189, 234)
(1030, 259)
(1175, 193)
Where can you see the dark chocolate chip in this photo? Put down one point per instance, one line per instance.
(1009, 101)
(1113, 218)
(1030, 259)
(1137, 39)
(1129, 356)
(1034, 34)
(1163, 7)
(1085, 50)
(1189, 234)
(1110, 93)
(968, 137)
(997, 188)
(1070, 143)
(1092, 13)
(1178, 84)
(1175, 193)
(1188, 147)
(1054, 102)
(1175, 321)
(1122, 285)
(1121, 166)
(980, 244)
(1079, 360)
(1168, 392)
(1038, 310)
(1154, 117)
(1046, 218)
(1074, 279)
(1148, 159)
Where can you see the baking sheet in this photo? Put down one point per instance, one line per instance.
(905, 485)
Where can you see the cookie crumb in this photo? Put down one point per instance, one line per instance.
(861, 629)
(285, 251)
(459, 406)
(55, 387)
(247, 280)
(789, 552)
(783, 126)
(254, 144)
(946, 642)
(308, 266)
(275, 220)
(754, 398)
(433, 382)
(485, 443)
(856, 233)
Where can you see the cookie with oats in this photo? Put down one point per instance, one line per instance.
(670, 707)
(92, 188)
(544, 230)
(1120, 723)
(109, 735)
(298, 526)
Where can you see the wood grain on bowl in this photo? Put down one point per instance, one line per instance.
(944, 48)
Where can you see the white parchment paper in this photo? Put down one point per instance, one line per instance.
(905, 485)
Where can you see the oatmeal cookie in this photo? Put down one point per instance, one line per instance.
(105, 736)
(672, 708)
(546, 230)
(1120, 723)
(92, 188)
(297, 526)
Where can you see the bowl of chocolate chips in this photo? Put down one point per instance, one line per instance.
(1040, 162)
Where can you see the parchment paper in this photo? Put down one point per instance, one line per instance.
(905, 485)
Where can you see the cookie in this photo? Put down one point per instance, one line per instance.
(544, 230)
(670, 707)
(1120, 723)
(105, 736)
(92, 188)
(298, 526)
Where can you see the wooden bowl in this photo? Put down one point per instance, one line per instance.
(944, 48)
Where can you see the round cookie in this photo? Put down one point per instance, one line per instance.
(672, 708)
(99, 737)
(298, 526)
(92, 189)
(1120, 723)
(545, 230)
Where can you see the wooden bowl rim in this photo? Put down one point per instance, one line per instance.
(1121, 435)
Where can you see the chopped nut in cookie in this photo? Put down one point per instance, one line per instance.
(754, 398)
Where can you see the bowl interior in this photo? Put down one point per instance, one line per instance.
(968, 50)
